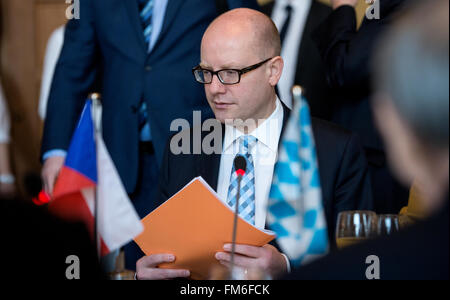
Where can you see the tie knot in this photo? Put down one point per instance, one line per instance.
(246, 143)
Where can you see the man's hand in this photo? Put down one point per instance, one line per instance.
(266, 258)
(50, 171)
(147, 268)
(337, 3)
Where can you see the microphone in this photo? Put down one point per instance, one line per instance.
(240, 165)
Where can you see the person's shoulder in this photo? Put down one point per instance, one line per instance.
(52, 241)
(320, 6)
(329, 129)
(332, 136)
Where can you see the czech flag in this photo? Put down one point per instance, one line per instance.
(88, 169)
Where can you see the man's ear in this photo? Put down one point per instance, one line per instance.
(275, 69)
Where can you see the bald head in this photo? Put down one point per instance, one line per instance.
(246, 40)
(256, 29)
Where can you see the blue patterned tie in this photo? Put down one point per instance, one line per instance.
(146, 14)
(247, 193)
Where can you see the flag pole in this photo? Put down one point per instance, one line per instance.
(96, 117)
(297, 92)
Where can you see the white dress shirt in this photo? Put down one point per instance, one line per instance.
(159, 11)
(291, 44)
(264, 157)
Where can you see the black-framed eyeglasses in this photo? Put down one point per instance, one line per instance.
(226, 76)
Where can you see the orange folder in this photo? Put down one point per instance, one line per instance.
(193, 225)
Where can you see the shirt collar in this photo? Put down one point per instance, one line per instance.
(268, 132)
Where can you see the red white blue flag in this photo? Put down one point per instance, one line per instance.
(88, 169)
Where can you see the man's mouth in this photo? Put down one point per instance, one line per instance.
(222, 105)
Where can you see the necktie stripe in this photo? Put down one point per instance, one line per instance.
(148, 31)
(145, 13)
(148, 10)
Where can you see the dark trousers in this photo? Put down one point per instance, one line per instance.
(144, 199)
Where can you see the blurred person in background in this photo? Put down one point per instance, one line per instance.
(411, 106)
(28, 229)
(346, 52)
(296, 20)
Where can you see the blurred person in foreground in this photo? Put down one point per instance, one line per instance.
(41, 247)
(411, 111)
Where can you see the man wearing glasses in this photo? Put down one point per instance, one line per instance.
(240, 67)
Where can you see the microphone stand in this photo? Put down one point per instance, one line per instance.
(236, 213)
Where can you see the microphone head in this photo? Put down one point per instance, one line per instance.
(240, 165)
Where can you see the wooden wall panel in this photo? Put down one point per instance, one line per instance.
(49, 15)
(26, 27)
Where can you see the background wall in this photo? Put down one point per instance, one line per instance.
(26, 26)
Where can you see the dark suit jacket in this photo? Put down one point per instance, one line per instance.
(346, 54)
(105, 51)
(342, 167)
(419, 252)
(310, 73)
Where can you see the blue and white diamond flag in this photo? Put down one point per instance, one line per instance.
(295, 210)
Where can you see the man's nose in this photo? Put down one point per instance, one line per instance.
(216, 87)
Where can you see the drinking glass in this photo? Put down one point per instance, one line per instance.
(355, 226)
(219, 272)
(387, 224)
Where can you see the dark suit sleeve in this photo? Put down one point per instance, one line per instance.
(353, 188)
(345, 51)
(163, 192)
(74, 78)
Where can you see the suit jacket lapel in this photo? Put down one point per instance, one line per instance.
(314, 18)
(208, 165)
(133, 13)
(286, 115)
(304, 43)
(208, 168)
